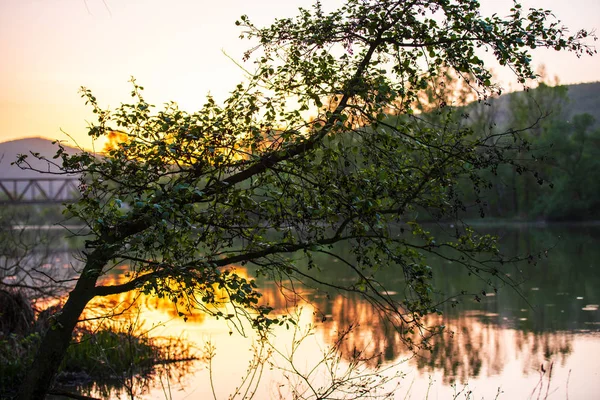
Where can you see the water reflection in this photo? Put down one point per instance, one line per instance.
(38, 261)
(503, 336)
(133, 387)
(471, 344)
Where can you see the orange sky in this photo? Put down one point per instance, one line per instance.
(48, 49)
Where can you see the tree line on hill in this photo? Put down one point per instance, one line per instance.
(554, 175)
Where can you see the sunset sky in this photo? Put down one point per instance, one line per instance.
(49, 48)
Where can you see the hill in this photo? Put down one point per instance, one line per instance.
(9, 151)
(584, 98)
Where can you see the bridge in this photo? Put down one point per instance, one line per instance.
(39, 190)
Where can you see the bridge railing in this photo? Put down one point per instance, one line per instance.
(39, 190)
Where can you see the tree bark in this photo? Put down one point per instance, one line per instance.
(57, 338)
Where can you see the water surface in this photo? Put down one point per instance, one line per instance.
(537, 340)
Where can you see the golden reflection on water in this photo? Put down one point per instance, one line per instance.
(153, 308)
(474, 346)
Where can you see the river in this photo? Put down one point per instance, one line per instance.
(538, 340)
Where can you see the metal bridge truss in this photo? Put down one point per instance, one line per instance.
(39, 190)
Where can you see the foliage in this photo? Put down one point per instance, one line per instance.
(572, 165)
(16, 353)
(552, 176)
(302, 156)
(16, 314)
(116, 352)
(108, 353)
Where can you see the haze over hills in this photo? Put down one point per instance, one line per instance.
(9, 151)
(584, 98)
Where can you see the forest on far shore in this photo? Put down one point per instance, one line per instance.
(556, 176)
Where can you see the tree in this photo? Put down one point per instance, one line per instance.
(573, 161)
(303, 155)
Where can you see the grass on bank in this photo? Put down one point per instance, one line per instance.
(114, 351)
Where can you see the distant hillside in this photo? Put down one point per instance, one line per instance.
(9, 152)
(585, 98)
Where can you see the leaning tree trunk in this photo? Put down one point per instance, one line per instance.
(57, 338)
